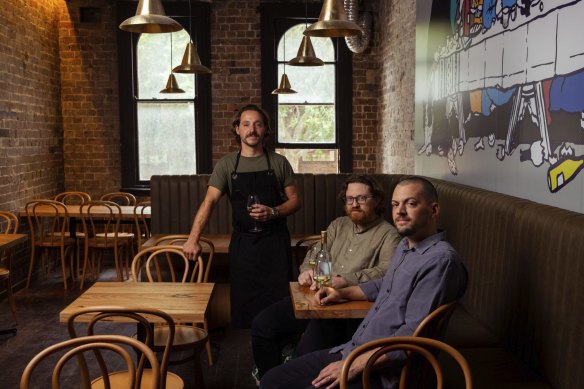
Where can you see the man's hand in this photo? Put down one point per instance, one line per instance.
(306, 278)
(327, 295)
(330, 376)
(339, 282)
(192, 249)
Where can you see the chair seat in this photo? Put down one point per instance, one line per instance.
(184, 336)
(4, 272)
(120, 379)
(121, 235)
(68, 234)
(48, 242)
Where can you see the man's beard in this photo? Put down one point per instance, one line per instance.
(358, 216)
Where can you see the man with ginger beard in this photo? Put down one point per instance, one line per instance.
(361, 245)
(425, 272)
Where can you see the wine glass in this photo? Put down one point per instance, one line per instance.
(251, 201)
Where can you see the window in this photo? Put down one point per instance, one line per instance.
(163, 133)
(313, 126)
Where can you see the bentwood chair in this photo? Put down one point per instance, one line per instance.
(75, 198)
(48, 222)
(423, 347)
(207, 257)
(120, 198)
(101, 223)
(88, 348)
(302, 247)
(169, 264)
(8, 225)
(101, 322)
(142, 223)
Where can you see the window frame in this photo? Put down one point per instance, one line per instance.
(128, 99)
(276, 19)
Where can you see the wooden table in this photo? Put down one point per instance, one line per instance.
(305, 307)
(74, 211)
(220, 241)
(185, 303)
(10, 240)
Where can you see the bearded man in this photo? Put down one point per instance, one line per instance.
(361, 246)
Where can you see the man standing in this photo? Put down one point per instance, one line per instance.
(425, 273)
(361, 245)
(259, 261)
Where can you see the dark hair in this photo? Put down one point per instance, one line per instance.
(429, 190)
(374, 188)
(251, 107)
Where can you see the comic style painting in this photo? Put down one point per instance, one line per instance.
(506, 78)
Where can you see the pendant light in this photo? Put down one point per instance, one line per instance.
(150, 18)
(333, 22)
(171, 83)
(306, 55)
(191, 63)
(285, 88)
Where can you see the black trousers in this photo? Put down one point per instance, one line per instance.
(299, 372)
(276, 325)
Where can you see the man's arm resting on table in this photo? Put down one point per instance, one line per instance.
(192, 248)
(332, 295)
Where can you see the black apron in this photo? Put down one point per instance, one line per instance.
(260, 262)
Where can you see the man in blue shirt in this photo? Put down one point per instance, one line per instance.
(425, 272)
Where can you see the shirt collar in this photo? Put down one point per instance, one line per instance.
(368, 226)
(424, 245)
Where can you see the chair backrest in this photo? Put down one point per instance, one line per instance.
(8, 223)
(73, 198)
(120, 198)
(206, 244)
(48, 220)
(166, 264)
(301, 248)
(101, 217)
(142, 223)
(102, 315)
(95, 344)
(423, 347)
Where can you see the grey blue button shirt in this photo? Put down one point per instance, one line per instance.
(417, 281)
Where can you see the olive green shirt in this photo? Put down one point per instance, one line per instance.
(359, 256)
(221, 177)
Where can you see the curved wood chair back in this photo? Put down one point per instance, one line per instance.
(175, 266)
(73, 198)
(433, 326)
(142, 223)
(105, 314)
(95, 344)
(48, 222)
(424, 347)
(8, 223)
(120, 198)
(206, 244)
(101, 226)
(304, 244)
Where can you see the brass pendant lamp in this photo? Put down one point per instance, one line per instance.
(191, 63)
(306, 55)
(333, 22)
(171, 83)
(285, 88)
(150, 18)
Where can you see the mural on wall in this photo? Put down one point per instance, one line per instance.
(505, 77)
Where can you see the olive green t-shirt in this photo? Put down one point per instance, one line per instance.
(221, 177)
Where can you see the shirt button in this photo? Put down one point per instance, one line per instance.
(376, 308)
(387, 291)
(352, 343)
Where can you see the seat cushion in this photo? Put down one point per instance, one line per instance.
(120, 379)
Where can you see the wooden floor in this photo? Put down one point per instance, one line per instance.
(39, 327)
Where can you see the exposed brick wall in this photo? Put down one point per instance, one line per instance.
(236, 63)
(89, 84)
(396, 104)
(31, 133)
(365, 102)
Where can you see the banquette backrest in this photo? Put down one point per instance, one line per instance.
(525, 260)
